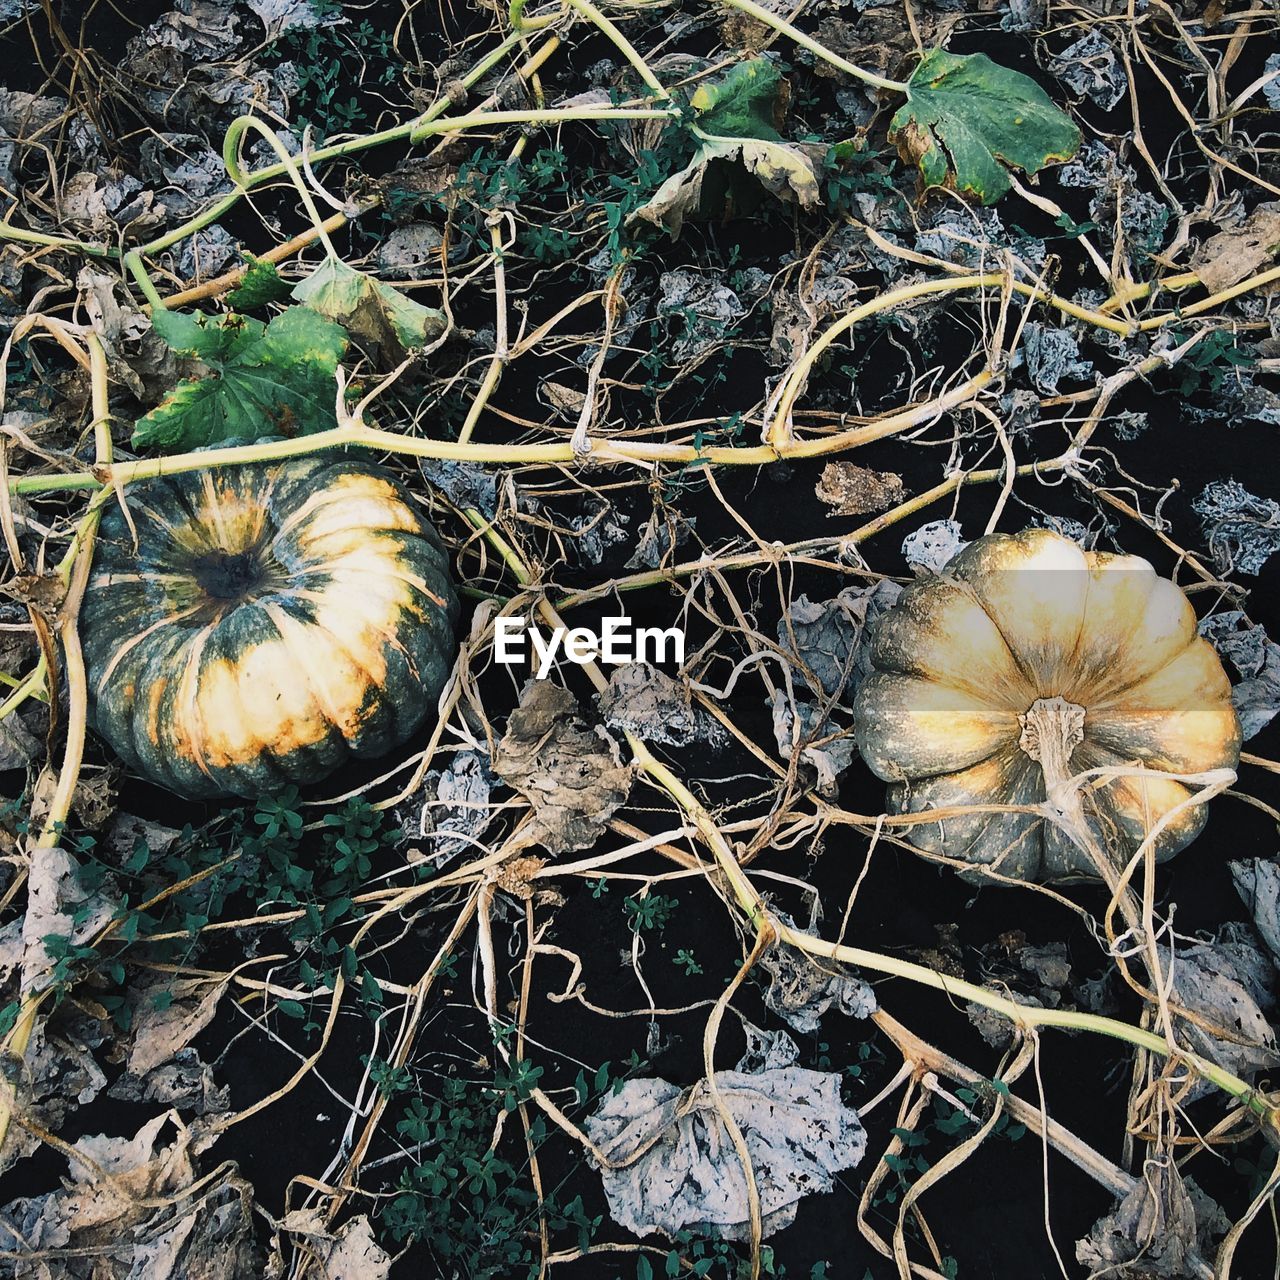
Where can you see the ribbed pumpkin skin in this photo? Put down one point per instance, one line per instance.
(275, 620)
(1013, 619)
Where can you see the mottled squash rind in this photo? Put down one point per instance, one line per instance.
(343, 654)
(1014, 618)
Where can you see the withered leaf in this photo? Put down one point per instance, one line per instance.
(856, 491)
(571, 773)
(124, 1213)
(1239, 252)
(168, 1015)
(677, 1168)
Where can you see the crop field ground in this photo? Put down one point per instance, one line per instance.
(759, 324)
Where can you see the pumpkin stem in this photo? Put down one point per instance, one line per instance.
(1051, 730)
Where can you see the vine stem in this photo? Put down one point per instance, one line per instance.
(231, 161)
(502, 347)
(1023, 1016)
(230, 279)
(622, 44)
(816, 48)
(779, 428)
(535, 116)
(31, 686)
(357, 435)
(19, 1036)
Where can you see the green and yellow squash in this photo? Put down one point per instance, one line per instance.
(1023, 664)
(272, 621)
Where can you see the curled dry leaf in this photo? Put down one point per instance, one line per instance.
(1089, 66)
(824, 637)
(1229, 983)
(136, 354)
(58, 907)
(642, 700)
(1162, 1230)
(1052, 354)
(186, 1083)
(1239, 252)
(465, 484)
(43, 592)
(93, 802)
(19, 746)
(679, 1169)
(10, 951)
(411, 248)
(663, 533)
(202, 30)
(1242, 529)
(107, 203)
(129, 833)
(349, 1253)
(1257, 882)
(826, 747)
(803, 989)
(855, 491)
(1257, 658)
(827, 636)
(279, 16)
(566, 401)
(784, 169)
(932, 545)
(572, 774)
(125, 1212)
(704, 309)
(167, 1016)
(1049, 964)
(453, 800)
(60, 1075)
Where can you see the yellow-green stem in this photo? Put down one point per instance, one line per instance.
(622, 44)
(601, 450)
(750, 902)
(771, 19)
(19, 1036)
(231, 160)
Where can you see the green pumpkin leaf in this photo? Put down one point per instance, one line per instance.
(736, 120)
(263, 379)
(189, 333)
(385, 319)
(742, 105)
(967, 121)
(260, 284)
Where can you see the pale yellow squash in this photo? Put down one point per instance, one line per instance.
(1026, 660)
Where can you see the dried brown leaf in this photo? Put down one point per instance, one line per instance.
(124, 1213)
(168, 1015)
(1239, 252)
(571, 773)
(350, 1253)
(856, 491)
